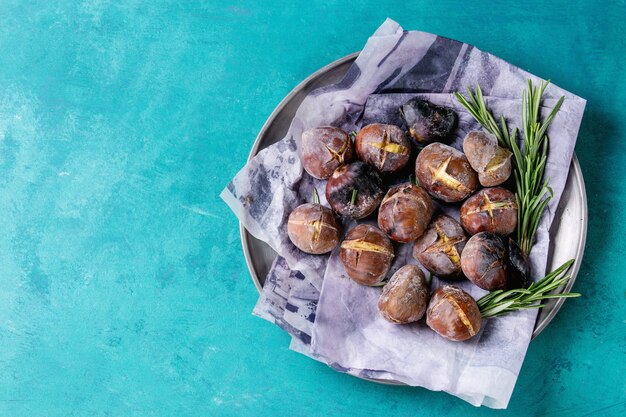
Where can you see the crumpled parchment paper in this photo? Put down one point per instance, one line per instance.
(335, 320)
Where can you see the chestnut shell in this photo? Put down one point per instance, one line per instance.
(366, 254)
(491, 161)
(405, 212)
(484, 261)
(439, 248)
(453, 314)
(405, 297)
(324, 149)
(490, 210)
(356, 176)
(382, 146)
(518, 267)
(445, 173)
(428, 122)
(312, 228)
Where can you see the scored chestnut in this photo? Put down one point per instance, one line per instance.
(445, 173)
(382, 146)
(453, 314)
(428, 122)
(483, 261)
(324, 149)
(491, 161)
(366, 254)
(405, 212)
(439, 248)
(405, 297)
(354, 190)
(490, 210)
(312, 228)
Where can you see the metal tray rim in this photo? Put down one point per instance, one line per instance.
(575, 268)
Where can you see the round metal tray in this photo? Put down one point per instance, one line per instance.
(568, 232)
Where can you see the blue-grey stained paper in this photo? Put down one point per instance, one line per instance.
(347, 331)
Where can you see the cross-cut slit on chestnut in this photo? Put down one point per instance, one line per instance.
(324, 149)
(405, 212)
(491, 161)
(453, 314)
(313, 229)
(490, 210)
(445, 173)
(382, 146)
(366, 254)
(439, 249)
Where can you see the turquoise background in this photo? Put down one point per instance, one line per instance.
(123, 286)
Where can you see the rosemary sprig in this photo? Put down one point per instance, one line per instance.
(478, 109)
(315, 196)
(498, 303)
(533, 192)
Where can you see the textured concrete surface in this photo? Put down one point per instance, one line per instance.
(123, 287)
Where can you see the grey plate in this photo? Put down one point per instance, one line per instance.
(568, 233)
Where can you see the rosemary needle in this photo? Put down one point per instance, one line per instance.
(316, 196)
(532, 190)
(498, 303)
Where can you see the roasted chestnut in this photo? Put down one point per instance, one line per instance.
(366, 254)
(405, 297)
(453, 314)
(517, 266)
(354, 190)
(490, 210)
(405, 212)
(428, 122)
(445, 173)
(324, 149)
(492, 162)
(483, 261)
(439, 248)
(384, 147)
(313, 228)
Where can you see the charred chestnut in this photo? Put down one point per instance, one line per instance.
(492, 162)
(313, 228)
(405, 297)
(428, 122)
(366, 254)
(453, 314)
(518, 267)
(483, 261)
(324, 149)
(405, 212)
(439, 248)
(354, 190)
(490, 210)
(445, 173)
(384, 147)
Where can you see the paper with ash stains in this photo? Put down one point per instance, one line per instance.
(335, 320)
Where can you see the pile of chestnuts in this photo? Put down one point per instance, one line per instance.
(359, 170)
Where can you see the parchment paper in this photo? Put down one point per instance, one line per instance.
(331, 318)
